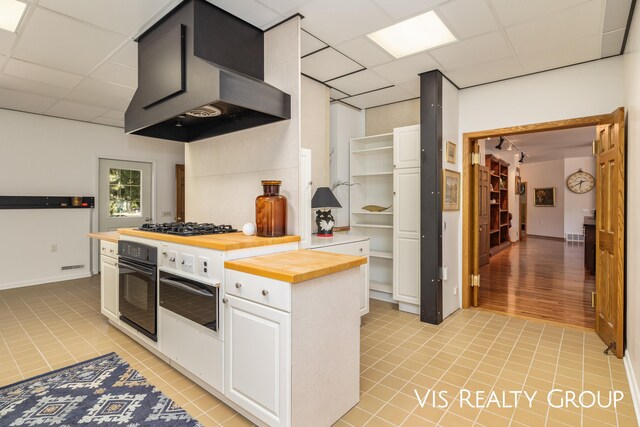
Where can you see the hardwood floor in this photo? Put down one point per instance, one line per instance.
(540, 278)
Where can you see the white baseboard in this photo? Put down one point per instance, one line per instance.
(409, 308)
(381, 296)
(633, 384)
(80, 275)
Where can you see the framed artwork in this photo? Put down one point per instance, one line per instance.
(450, 190)
(451, 152)
(519, 187)
(544, 197)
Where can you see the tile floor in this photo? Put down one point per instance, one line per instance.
(51, 326)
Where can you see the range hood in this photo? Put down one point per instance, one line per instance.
(200, 74)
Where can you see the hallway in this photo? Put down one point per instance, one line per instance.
(540, 278)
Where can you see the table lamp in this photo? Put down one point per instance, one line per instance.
(324, 200)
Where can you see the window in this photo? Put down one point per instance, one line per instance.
(124, 192)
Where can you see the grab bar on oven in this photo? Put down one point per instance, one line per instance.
(187, 287)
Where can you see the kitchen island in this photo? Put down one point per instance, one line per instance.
(285, 346)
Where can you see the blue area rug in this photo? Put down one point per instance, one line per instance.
(104, 391)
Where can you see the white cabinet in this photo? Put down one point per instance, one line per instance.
(109, 281)
(406, 191)
(360, 248)
(406, 147)
(406, 270)
(257, 352)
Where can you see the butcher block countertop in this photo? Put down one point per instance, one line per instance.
(109, 236)
(296, 266)
(220, 242)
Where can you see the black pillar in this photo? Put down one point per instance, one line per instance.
(430, 197)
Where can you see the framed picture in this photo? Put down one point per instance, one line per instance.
(450, 190)
(451, 152)
(519, 189)
(544, 197)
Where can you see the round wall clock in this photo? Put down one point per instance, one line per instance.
(580, 182)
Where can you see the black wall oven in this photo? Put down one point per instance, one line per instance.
(138, 301)
(193, 300)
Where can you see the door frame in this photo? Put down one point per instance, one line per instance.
(469, 194)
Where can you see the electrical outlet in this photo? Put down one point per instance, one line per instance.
(53, 248)
(165, 213)
(455, 290)
(204, 266)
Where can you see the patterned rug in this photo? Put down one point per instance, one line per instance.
(104, 391)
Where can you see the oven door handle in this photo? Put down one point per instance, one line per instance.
(187, 287)
(146, 271)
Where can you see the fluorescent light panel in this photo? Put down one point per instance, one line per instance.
(11, 12)
(416, 34)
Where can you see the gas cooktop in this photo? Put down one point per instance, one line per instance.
(187, 228)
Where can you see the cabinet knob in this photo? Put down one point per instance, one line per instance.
(265, 292)
(172, 259)
(224, 300)
(238, 285)
(360, 249)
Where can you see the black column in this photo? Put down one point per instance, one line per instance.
(430, 197)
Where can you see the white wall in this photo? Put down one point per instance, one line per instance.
(632, 103)
(545, 221)
(345, 123)
(452, 220)
(43, 156)
(575, 205)
(387, 117)
(223, 174)
(314, 125)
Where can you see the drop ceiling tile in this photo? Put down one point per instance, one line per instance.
(473, 51)
(571, 51)
(612, 43)
(114, 115)
(336, 94)
(579, 21)
(248, 10)
(399, 9)
(14, 100)
(125, 17)
(6, 41)
(2, 60)
(366, 52)
(467, 18)
(309, 43)
(406, 69)
(379, 97)
(127, 55)
(484, 73)
(118, 74)
(328, 64)
(63, 43)
(72, 110)
(616, 15)
(411, 87)
(100, 94)
(517, 11)
(362, 81)
(109, 122)
(285, 7)
(33, 87)
(38, 73)
(336, 21)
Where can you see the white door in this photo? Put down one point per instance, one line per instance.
(257, 359)
(406, 270)
(124, 194)
(109, 287)
(406, 203)
(406, 147)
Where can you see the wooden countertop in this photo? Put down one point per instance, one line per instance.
(220, 242)
(296, 266)
(109, 236)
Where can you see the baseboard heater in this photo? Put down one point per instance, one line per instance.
(72, 267)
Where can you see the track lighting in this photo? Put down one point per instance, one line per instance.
(521, 157)
(510, 147)
(499, 146)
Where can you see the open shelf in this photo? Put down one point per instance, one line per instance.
(373, 174)
(373, 213)
(499, 202)
(369, 150)
(381, 254)
(372, 226)
(374, 285)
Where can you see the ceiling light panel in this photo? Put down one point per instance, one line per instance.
(414, 35)
(11, 12)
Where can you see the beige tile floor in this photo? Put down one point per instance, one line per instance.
(51, 326)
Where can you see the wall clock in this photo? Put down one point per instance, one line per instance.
(580, 182)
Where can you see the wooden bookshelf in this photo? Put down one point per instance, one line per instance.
(499, 204)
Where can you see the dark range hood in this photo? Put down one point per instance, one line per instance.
(200, 74)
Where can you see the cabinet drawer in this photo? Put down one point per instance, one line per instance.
(355, 249)
(108, 248)
(272, 293)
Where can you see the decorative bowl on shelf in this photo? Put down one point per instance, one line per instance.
(375, 208)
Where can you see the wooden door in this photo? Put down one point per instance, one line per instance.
(610, 211)
(484, 186)
(474, 223)
(180, 193)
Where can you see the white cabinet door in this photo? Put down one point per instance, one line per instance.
(406, 203)
(406, 270)
(109, 287)
(257, 360)
(406, 147)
